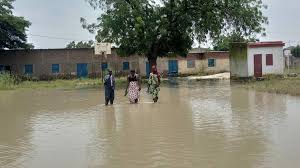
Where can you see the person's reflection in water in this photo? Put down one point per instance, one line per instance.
(109, 119)
(100, 148)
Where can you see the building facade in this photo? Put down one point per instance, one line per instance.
(256, 59)
(43, 63)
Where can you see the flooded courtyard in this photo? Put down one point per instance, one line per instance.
(206, 124)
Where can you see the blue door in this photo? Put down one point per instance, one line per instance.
(173, 67)
(104, 66)
(82, 71)
(28, 69)
(1, 68)
(147, 69)
(126, 66)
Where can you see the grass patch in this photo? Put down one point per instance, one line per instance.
(282, 86)
(278, 84)
(295, 69)
(10, 82)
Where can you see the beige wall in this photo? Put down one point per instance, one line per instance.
(222, 65)
(183, 68)
(68, 59)
(142, 65)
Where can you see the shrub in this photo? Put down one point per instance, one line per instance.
(60, 76)
(7, 81)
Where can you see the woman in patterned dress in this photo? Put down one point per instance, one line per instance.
(154, 82)
(133, 87)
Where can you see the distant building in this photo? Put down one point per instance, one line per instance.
(256, 59)
(44, 63)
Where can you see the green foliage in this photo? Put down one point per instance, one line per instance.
(12, 28)
(160, 28)
(223, 42)
(81, 44)
(7, 81)
(296, 51)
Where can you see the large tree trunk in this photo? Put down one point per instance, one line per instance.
(152, 55)
(152, 61)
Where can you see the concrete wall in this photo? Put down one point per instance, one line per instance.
(278, 60)
(238, 60)
(201, 63)
(68, 59)
(222, 62)
(163, 64)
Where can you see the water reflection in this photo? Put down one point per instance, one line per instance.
(237, 121)
(14, 132)
(202, 124)
(254, 114)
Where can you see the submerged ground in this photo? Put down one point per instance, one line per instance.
(195, 124)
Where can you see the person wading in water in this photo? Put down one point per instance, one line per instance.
(154, 82)
(133, 87)
(109, 86)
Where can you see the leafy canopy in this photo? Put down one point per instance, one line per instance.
(160, 27)
(81, 44)
(223, 42)
(296, 51)
(12, 28)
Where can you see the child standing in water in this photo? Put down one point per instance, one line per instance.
(133, 87)
(154, 82)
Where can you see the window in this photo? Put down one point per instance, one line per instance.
(28, 69)
(269, 59)
(190, 63)
(126, 66)
(104, 66)
(211, 62)
(55, 68)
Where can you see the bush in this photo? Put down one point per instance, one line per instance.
(60, 76)
(7, 81)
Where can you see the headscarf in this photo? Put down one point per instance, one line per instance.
(154, 71)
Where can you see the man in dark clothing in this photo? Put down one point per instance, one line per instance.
(109, 85)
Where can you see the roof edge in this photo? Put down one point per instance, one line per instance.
(266, 44)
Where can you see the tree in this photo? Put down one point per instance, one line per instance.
(12, 28)
(296, 51)
(223, 42)
(167, 27)
(73, 44)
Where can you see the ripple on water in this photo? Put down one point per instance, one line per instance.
(193, 125)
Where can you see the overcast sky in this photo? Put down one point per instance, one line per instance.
(59, 21)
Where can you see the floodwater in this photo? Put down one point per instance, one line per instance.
(208, 124)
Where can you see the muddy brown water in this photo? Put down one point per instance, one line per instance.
(207, 124)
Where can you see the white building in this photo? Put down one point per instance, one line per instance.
(256, 59)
